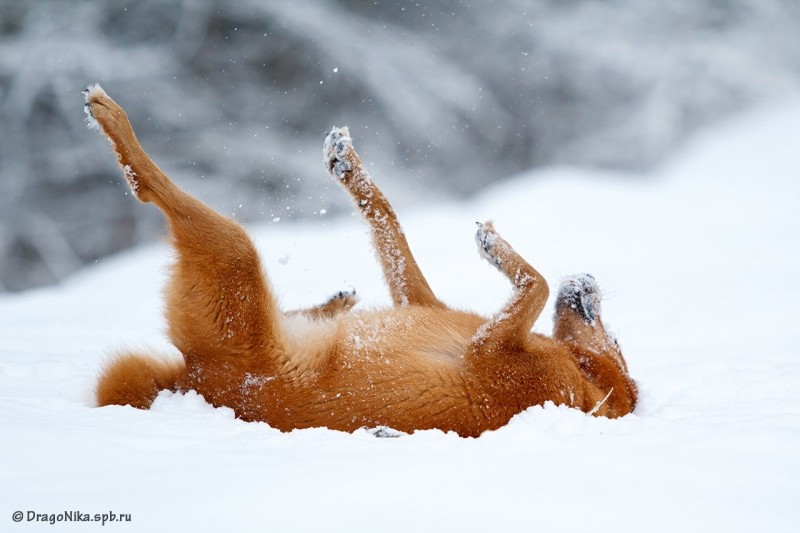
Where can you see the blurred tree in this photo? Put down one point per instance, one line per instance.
(232, 98)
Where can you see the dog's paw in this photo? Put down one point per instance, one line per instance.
(487, 239)
(384, 432)
(343, 300)
(103, 113)
(336, 149)
(92, 95)
(580, 294)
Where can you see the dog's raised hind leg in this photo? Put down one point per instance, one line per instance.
(219, 308)
(407, 284)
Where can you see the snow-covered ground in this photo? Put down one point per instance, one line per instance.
(700, 267)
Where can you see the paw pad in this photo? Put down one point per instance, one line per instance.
(342, 300)
(91, 92)
(337, 145)
(343, 295)
(581, 294)
(486, 239)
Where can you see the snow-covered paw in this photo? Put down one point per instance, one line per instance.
(91, 95)
(343, 299)
(384, 432)
(580, 294)
(96, 102)
(487, 239)
(338, 145)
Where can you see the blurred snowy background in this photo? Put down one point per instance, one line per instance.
(232, 99)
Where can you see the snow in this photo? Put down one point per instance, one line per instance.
(697, 262)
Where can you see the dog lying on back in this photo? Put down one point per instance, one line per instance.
(417, 365)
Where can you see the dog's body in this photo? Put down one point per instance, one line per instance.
(416, 365)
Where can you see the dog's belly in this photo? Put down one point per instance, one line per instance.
(401, 367)
(406, 335)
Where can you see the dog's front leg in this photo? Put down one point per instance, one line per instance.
(510, 327)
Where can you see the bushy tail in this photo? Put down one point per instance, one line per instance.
(135, 379)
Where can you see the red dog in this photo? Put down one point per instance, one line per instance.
(416, 365)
